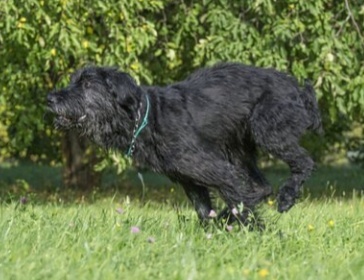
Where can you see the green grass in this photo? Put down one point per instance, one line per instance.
(61, 234)
(94, 241)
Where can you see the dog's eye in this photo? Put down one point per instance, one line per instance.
(86, 84)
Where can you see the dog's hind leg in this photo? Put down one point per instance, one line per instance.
(277, 128)
(259, 180)
(301, 166)
(244, 154)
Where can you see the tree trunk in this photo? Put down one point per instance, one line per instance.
(79, 159)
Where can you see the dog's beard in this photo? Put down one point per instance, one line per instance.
(67, 120)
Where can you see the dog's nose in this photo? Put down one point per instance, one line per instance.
(51, 99)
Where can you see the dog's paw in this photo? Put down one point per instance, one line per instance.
(225, 217)
(286, 199)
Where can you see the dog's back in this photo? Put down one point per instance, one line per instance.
(239, 88)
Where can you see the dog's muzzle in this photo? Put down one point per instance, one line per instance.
(63, 119)
(51, 101)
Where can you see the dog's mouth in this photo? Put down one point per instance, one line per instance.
(63, 121)
(66, 120)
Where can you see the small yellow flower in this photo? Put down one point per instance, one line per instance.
(20, 25)
(134, 66)
(331, 223)
(53, 52)
(145, 27)
(263, 272)
(310, 227)
(129, 47)
(85, 44)
(23, 19)
(270, 202)
(89, 30)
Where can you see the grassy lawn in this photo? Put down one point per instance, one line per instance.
(113, 234)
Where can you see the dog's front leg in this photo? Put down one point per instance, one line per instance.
(233, 184)
(200, 198)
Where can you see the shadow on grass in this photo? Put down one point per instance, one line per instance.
(44, 184)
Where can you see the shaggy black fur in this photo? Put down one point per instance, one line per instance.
(203, 132)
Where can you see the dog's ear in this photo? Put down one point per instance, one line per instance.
(75, 76)
(124, 89)
(121, 85)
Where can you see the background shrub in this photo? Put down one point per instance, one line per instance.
(42, 42)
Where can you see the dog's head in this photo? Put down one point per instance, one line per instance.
(96, 97)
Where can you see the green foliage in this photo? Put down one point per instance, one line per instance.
(157, 41)
(116, 159)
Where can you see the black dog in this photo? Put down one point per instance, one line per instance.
(202, 132)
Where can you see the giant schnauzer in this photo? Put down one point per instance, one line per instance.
(202, 132)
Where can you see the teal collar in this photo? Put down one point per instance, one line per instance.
(137, 128)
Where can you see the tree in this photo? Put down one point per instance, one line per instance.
(156, 41)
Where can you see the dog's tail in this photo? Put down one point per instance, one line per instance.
(308, 97)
